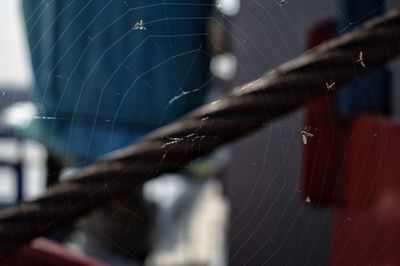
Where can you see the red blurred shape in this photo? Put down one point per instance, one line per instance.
(323, 156)
(43, 252)
(366, 229)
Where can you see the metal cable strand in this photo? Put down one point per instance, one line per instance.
(172, 147)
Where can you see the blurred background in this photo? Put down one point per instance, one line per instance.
(16, 81)
(270, 219)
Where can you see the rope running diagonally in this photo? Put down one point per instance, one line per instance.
(172, 147)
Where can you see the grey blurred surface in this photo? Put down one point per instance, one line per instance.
(10, 94)
(270, 224)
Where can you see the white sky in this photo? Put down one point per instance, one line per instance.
(15, 67)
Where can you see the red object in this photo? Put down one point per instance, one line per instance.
(356, 170)
(323, 156)
(43, 252)
(366, 229)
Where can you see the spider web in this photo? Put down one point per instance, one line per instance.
(269, 224)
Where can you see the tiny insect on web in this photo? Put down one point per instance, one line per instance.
(139, 25)
(306, 134)
(330, 86)
(360, 59)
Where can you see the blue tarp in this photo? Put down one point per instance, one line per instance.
(101, 82)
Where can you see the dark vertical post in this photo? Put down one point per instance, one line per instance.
(367, 94)
(19, 172)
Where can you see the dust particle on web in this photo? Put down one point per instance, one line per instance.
(307, 200)
(282, 2)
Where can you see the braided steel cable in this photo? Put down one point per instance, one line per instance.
(172, 147)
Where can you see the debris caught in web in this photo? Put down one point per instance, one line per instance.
(330, 86)
(360, 59)
(4, 93)
(172, 141)
(282, 2)
(220, 7)
(306, 134)
(307, 200)
(139, 25)
(44, 117)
